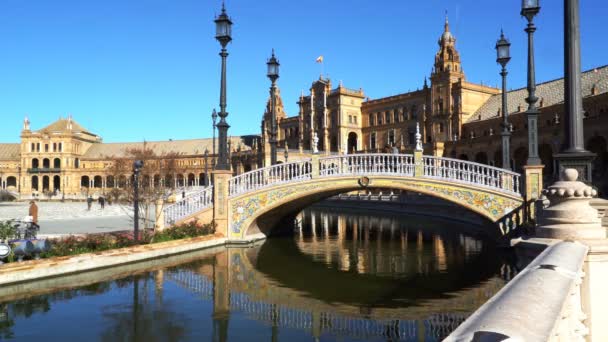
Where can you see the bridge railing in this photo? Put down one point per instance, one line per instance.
(365, 164)
(469, 172)
(274, 175)
(192, 203)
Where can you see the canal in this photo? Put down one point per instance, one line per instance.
(342, 275)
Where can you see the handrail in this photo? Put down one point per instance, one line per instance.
(363, 164)
(542, 303)
(471, 173)
(192, 203)
(273, 175)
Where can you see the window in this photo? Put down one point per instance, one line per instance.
(350, 119)
(441, 127)
(371, 120)
(32, 147)
(355, 118)
(391, 137)
(396, 116)
(54, 147)
(403, 114)
(414, 113)
(388, 117)
(46, 147)
(412, 137)
(372, 141)
(379, 119)
(60, 147)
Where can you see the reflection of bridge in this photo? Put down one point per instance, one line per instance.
(254, 201)
(235, 285)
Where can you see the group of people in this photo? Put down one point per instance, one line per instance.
(101, 200)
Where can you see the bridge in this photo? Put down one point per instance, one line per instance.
(255, 201)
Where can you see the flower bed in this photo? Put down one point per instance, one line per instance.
(74, 245)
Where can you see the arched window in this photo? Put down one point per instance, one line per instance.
(35, 163)
(371, 120)
(57, 163)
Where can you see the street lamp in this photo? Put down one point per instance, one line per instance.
(529, 9)
(137, 165)
(286, 153)
(503, 57)
(206, 167)
(223, 31)
(214, 119)
(573, 153)
(273, 75)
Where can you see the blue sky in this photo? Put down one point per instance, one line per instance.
(130, 70)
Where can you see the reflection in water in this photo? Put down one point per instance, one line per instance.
(341, 276)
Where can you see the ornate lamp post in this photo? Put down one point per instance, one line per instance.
(137, 165)
(273, 75)
(503, 57)
(529, 9)
(573, 153)
(214, 119)
(223, 30)
(206, 154)
(286, 152)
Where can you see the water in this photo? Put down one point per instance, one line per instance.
(341, 276)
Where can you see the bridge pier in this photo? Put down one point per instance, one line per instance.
(220, 200)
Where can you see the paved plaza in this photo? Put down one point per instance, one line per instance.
(58, 218)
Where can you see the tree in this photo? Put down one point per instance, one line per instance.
(156, 178)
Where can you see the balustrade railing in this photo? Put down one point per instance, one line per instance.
(192, 203)
(471, 173)
(274, 175)
(365, 164)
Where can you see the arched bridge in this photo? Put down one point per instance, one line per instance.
(255, 201)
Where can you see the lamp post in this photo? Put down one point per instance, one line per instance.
(529, 9)
(273, 75)
(223, 30)
(214, 119)
(573, 153)
(503, 57)
(286, 153)
(137, 165)
(206, 154)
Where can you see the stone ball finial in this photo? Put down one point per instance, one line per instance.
(570, 175)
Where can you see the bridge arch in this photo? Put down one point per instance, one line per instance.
(259, 212)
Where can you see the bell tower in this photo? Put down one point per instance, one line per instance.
(447, 71)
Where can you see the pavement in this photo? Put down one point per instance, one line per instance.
(72, 218)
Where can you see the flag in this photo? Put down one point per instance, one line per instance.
(319, 59)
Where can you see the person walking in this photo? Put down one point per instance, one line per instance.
(102, 202)
(33, 212)
(89, 202)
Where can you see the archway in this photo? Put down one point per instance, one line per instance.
(598, 145)
(122, 181)
(481, 157)
(46, 163)
(56, 183)
(463, 157)
(202, 178)
(35, 163)
(57, 163)
(110, 181)
(97, 182)
(191, 179)
(180, 180)
(35, 185)
(46, 183)
(144, 181)
(156, 181)
(352, 142)
(11, 181)
(519, 159)
(85, 182)
(498, 158)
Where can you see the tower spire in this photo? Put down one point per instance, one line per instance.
(446, 27)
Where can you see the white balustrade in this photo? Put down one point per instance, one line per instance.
(461, 171)
(367, 164)
(192, 203)
(273, 175)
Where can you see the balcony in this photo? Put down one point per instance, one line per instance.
(44, 170)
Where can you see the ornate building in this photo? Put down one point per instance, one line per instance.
(457, 118)
(64, 160)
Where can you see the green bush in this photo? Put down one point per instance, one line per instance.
(186, 230)
(8, 230)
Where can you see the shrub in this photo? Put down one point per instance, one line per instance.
(183, 231)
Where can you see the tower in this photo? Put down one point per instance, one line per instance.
(447, 71)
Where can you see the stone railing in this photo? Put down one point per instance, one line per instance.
(192, 203)
(269, 176)
(542, 303)
(367, 164)
(471, 173)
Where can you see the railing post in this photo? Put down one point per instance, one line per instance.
(315, 166)
(159, 224)
(418, 164)
(221, 179)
